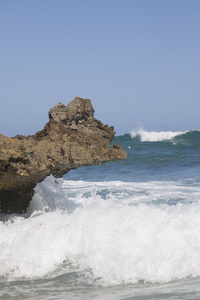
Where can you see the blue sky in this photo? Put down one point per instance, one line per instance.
(137, 60)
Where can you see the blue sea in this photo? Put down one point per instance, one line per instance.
(122, 230)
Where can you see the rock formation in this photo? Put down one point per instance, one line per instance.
(72, 138)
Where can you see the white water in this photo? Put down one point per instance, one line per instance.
(154, 136)
(130, 234)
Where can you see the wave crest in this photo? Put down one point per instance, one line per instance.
(154, 136)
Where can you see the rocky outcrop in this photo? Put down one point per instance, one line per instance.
(72, 138)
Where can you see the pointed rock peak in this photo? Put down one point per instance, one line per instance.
(77, 109)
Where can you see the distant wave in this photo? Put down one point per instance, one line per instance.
(154, 136)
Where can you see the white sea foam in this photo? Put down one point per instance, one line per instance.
(118, 240)
(154, 136)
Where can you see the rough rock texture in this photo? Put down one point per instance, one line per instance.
(72, 138)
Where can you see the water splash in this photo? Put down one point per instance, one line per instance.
(115, 240)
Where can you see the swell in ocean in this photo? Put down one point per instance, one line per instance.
(189, 137)
(130, 227)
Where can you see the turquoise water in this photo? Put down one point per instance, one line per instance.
(122, 230)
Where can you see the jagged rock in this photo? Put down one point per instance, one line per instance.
(72, 138)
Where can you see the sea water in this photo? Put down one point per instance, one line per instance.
(122, 230)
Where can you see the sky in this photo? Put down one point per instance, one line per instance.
(137, 60)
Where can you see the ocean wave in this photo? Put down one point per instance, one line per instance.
(155, 136)
(114, 241)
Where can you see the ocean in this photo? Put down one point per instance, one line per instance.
(122, 230)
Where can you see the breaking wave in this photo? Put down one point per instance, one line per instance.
(114, 231)
(154, 136)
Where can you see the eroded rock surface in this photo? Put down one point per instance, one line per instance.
(72, 138)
